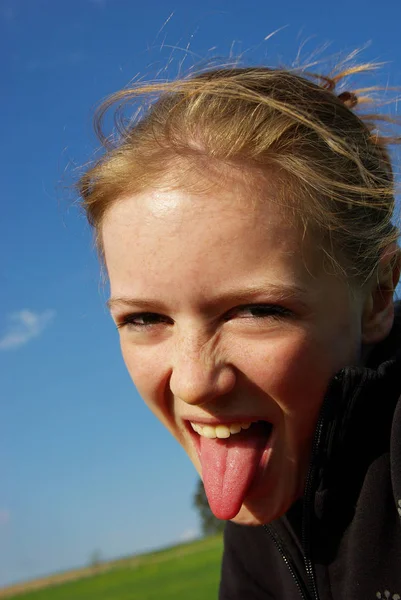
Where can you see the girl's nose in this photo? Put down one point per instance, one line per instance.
(199, 376)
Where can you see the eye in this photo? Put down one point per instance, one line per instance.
(141, 321)
(259, 311)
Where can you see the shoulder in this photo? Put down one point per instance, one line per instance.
(246, 546)
(238, 576)
(252, 567)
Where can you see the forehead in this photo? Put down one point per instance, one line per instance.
(171, 237)
(189, 200)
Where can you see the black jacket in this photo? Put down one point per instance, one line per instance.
(342, 541)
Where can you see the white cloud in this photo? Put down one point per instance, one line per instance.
(25, 325)
(188, 535)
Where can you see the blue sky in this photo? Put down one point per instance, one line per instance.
(83, 465)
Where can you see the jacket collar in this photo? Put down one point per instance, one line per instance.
(355, 423)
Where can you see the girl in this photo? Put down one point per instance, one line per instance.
(245, 221)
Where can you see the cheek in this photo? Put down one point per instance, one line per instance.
(145, 367)
(150, 371)
(294, 372)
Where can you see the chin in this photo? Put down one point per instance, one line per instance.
(259, 511)
(254, 515)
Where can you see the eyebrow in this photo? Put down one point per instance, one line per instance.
(276, 292)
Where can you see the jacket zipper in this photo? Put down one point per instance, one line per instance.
(303, 592)
(309, 488)
(310, 592)
(306, 529)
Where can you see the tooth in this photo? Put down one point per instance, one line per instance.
(219, 431)
(209, 432)
(222, 431)
(235, 428)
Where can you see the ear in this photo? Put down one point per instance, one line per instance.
(378, 312)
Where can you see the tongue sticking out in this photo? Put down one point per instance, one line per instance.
(229, 466)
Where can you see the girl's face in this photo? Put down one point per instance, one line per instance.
(227, 317)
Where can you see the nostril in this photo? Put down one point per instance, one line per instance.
(198, 382)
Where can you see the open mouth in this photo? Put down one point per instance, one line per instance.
(231, 456)
(229, 433)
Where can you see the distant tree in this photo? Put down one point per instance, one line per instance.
(209, 523)
(95, 559)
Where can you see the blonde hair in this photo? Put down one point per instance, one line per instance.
(334, 164)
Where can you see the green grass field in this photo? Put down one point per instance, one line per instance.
(185, 572)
